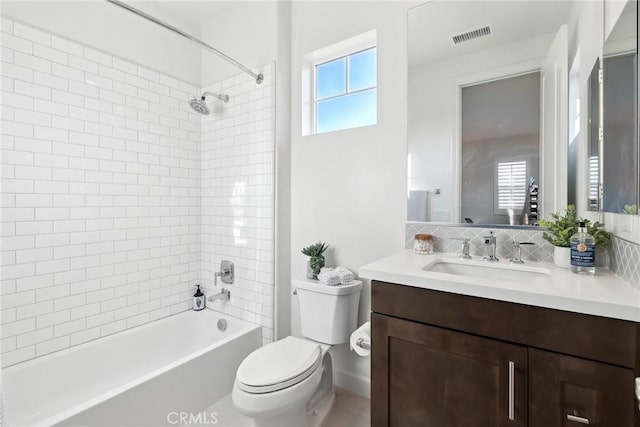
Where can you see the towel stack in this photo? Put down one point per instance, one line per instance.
(335, 276)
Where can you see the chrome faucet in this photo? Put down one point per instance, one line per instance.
(465, 247)
(224, 295)
(489, 243)
(517, 257)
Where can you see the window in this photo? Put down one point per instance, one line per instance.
(345, 92)
(594, 179)
(339, 85)
(511, 186)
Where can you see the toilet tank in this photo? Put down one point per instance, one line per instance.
(328, 314)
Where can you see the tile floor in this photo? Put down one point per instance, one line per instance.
(349, 410)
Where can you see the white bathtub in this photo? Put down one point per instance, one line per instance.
(143, 376)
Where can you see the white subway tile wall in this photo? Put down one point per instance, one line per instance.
(238, 209)
(101, 194)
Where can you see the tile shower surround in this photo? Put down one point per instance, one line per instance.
(238, 209)
(623, 256)
(105, 216)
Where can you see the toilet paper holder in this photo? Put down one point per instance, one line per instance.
(363, 343)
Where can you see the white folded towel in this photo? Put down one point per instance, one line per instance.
(328, 276)
(333, 277)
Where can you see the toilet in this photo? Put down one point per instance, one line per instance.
(289, 382)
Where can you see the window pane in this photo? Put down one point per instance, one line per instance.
(331, 78)
(362, 70)
(512, 185)
(349, 111)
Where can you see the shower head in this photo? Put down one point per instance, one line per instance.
(200, 106)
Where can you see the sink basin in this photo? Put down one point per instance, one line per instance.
(491, 271)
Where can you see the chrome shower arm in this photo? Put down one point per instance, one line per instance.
(223, 98)
(259, 77)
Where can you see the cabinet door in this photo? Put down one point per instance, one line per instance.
(434, 377)
(569, 392)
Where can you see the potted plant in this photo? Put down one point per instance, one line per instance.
(562, 227)
(316, 258)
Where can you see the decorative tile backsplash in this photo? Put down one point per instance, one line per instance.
(624, 260)
(444, 240)
(623, 257)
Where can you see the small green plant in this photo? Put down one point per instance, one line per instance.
(630, 209)
(316, 258)
(562, 227)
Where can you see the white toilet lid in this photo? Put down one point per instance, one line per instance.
(278, 365)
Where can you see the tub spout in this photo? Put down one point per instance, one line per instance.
(224, 295)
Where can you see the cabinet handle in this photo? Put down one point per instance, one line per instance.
(577, 419)
(512, 368)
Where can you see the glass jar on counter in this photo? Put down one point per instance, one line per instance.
(423, 244)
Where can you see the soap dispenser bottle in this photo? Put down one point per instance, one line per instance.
(583, 251)
(198, 300)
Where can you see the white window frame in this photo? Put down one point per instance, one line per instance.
(594, 181)
(346, 82)
(338, 50)
(497, 210)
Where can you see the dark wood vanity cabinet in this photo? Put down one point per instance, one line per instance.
(436, 377)
(568, 391)
(446, 360)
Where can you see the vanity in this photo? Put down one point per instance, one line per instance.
(465, 343)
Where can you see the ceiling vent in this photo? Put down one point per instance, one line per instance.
(470, 35)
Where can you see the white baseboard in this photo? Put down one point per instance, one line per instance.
(358, 384)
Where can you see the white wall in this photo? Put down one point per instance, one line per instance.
(349, 187)
(117, 31)
(238, 196)
(247, 31)
(100, 194)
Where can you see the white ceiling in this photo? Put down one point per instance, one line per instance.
(431, 25)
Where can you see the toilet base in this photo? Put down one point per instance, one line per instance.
(296, 417)
(319, 414)
(309, 414)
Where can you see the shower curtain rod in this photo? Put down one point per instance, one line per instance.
(259, 77)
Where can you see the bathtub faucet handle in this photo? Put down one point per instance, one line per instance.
(224, 295)
(226, 273)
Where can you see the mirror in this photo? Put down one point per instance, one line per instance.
(500, 145)
(593, 139)
(620, 109)
(457, 49)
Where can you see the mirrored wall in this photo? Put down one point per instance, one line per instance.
(487, 111)
(585, 56)
(619, 147)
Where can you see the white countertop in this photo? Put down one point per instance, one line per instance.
(602, 294)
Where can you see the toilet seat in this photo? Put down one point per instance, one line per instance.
(278, 365)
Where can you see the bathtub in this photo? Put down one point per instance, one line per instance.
(147, 375)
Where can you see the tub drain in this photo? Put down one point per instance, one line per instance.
(222, 325)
